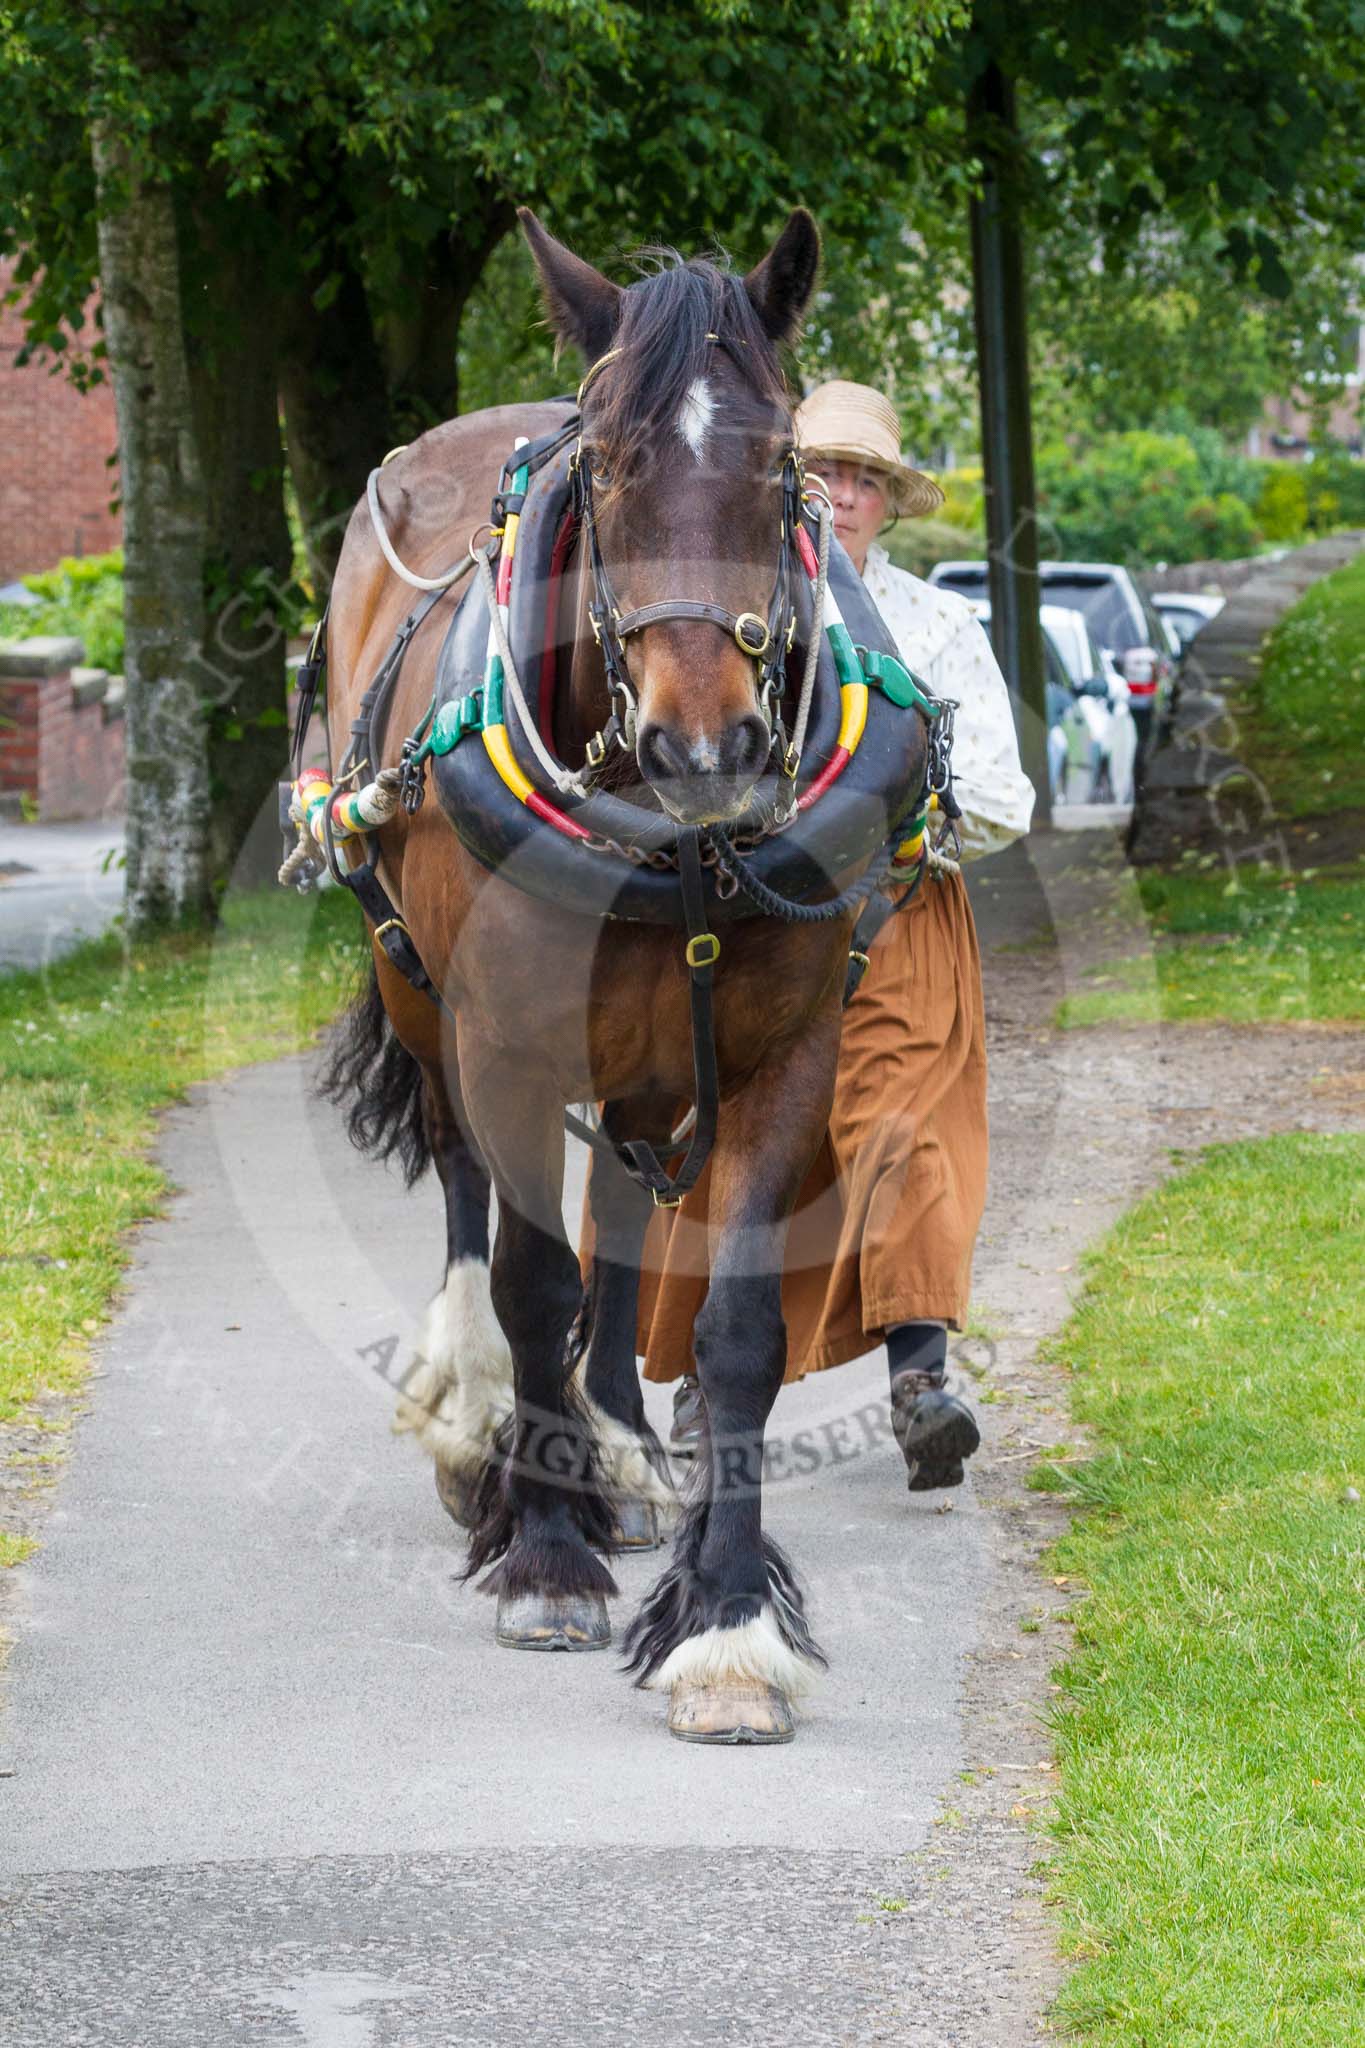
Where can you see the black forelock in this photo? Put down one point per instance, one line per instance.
(669, 317)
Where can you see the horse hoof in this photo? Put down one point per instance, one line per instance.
(637, 1526)
(553, 1621)
(737, 1710)
(456, 1495)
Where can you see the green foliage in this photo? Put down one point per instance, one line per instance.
(1335, 482)
(83, 598)
(1208, 1859)
(916, 544)
(1138, 498)
(1282, 503)
(1306, 734)
(964, 498)
(1250, 948)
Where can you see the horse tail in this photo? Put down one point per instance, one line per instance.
(369, 1069)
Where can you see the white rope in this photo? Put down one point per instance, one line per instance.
(562, 778)
(441, 582)
(817, 629)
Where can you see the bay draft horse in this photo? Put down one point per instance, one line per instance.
(686, 426)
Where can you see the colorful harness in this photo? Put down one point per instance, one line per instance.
(843, 788)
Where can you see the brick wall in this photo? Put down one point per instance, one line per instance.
(55, 483)
(61, 730)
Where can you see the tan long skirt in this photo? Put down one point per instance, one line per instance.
(884, 1227)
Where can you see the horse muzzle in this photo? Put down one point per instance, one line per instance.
(704, 781)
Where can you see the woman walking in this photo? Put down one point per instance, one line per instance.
(880, 1247)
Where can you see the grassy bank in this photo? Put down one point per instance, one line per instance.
(1306, 732)
(1273, 948)
(1210, 1857)
(93, 1048)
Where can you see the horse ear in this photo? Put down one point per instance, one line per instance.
(780, 286)
(583, 305)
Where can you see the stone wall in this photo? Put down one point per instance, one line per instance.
(55, 444)
(61, 731)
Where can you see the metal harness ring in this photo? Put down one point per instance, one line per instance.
(759, 649)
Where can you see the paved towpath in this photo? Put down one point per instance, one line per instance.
(59, 884)
(274, 1783)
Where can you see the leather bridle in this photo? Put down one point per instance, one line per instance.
(766, 638)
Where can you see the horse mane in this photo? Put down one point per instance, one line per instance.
(669, 317)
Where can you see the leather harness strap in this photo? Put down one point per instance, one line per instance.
(696, 608)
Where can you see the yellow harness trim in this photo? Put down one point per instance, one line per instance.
(504, 760)
(853, 697)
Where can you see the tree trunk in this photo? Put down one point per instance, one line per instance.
(355, 382)
(251, 603)
(421, 340)
(168, 877)
(1006, 425)
(338, 420)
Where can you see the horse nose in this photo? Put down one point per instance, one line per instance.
(744, 748)
(703, 778)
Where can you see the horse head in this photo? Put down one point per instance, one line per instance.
(687, 431)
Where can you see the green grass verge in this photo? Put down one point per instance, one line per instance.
(1210, 1853)
(1267, 949)
(82, 597)
(1306, 734)
(92, 1048)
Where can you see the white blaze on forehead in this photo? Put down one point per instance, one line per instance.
(695, 414)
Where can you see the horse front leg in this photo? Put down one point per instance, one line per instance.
(459, 1388)
(724, 1630)
(542, 1509)
(633, 1459)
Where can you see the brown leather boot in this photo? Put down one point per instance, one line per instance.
(689, 1418)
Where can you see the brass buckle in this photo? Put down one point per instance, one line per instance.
(667, 1201)
(391, 924)
(861, 958)
(763, 647)
(596, 751)
(696, 958)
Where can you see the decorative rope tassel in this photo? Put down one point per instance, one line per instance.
(352, 812)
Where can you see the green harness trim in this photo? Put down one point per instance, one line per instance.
(852, 663)
(895, 681)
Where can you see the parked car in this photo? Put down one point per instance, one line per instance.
(1090, 727)
(1185, 612)
(1121, 619)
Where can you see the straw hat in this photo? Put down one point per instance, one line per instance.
(856, 422)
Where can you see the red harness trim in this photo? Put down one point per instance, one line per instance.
(832, 769)
(561, 820)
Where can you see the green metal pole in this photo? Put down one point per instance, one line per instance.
(1006, 426)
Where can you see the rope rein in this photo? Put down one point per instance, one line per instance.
(563, 778)
(441, 582)
(785, 907)
(824, 514)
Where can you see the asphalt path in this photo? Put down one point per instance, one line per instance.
(275, 1782)
(59, 884)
